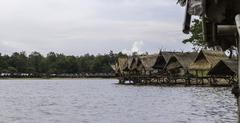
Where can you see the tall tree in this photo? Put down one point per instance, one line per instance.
(36, 62)
(4, 63)
(51, 63)
(19, 61)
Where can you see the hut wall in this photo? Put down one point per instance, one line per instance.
(199, 73)
(177, 72)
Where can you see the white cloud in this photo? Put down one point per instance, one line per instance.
(94, 26)
(136, 48)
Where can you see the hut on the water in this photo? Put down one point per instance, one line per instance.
(127, 65)
(227, 67)
(121, 65)
(226, 70)
(206, 60)
(148, 62)
(178, 64)
(161, 61)
(138, 66)
(134, 65)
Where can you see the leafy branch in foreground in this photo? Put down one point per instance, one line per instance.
(196, 32)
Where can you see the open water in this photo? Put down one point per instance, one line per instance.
(103, 101)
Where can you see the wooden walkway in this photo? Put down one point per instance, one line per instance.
(176, 80)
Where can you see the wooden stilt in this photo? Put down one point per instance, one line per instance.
(163, 79)
(196, 76)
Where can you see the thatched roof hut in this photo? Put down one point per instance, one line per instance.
(227, 67)
(128, 64)
(206, 59)
(121, 64)
(133, 63)
(179, 63)
(162, 60)
(136, 64)
(148, 62)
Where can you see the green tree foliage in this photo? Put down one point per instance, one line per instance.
(19, 61)
(54, 63)
(196, 32)
(36, 64)
(4, 63)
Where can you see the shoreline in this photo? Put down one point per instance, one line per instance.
(126, 84)
(175, 85)
(53, 78)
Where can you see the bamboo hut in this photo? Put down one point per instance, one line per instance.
(128, 64)
(122, 69)
(206, 60)
(133, 69)
(162, 60)
(178, 65)
(121, 65)
(134, 65)
(225, 69)
(148, 62)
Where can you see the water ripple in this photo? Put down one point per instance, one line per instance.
(101, 101)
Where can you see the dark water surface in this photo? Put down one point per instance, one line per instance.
(102, 101)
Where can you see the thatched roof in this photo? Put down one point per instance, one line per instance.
(148, 61)
(121, 64)
(181, 60)
(206, 59)
(167, 55)
(225, 67)
(131, 63)
(136, 64)
(128, 64)
(162, 59)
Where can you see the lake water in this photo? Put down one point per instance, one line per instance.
(102, 101)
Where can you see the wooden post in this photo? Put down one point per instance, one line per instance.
(197, 76)
(175, 80)
(213, 80)
(210, 80)
(237, 19)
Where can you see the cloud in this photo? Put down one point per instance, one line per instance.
(89, 26)
(136, 48)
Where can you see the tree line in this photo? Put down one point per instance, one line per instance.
(55, 63)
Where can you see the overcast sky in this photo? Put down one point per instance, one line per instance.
(76, 27)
